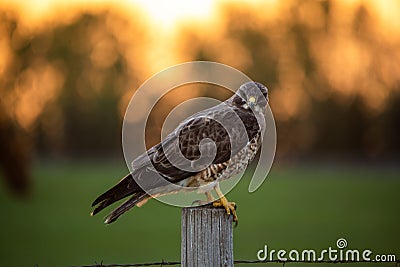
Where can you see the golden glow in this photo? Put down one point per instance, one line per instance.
(254, 36)
(167, 14)
(35, 88)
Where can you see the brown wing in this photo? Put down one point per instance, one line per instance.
(187, 139)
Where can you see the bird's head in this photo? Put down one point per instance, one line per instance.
(251, 96)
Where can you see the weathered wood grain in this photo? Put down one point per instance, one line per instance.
(207, 238)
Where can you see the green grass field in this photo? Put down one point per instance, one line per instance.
(296, 208)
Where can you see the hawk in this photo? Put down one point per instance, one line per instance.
(233, 129)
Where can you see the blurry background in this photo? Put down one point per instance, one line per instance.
(68, 70)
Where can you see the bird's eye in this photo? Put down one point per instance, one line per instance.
(252, 99)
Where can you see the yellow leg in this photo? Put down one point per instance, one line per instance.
(210, 197)
(230, 207)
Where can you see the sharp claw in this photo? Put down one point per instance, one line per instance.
(230, 208)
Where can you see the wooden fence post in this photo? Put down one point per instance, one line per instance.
(207, 238)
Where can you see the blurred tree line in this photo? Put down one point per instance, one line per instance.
(332, 72)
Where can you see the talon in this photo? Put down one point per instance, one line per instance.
(230, 207)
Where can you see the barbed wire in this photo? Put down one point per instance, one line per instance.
(161, 263)
(171, 263)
